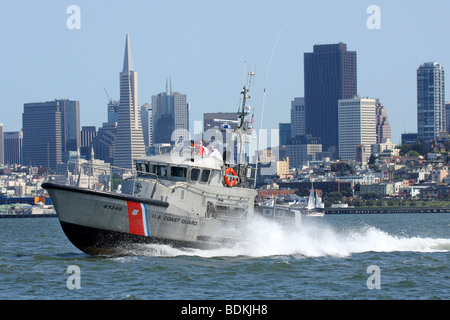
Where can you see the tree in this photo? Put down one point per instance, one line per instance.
(413, 153)
(304, 192)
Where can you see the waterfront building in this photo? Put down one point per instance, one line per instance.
(357, 126)
(129, 143)
(297, 117)
(431, 113)
(330, 74)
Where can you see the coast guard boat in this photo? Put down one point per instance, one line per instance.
(181, 198)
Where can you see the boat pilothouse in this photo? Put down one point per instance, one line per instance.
(185, 198)
(197, 186)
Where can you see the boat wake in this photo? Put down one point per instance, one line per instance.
(313, 239)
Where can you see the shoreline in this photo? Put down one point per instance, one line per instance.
(23, 216)
(329, 211)
(384, 210)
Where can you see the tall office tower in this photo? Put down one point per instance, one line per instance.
(87, 136)
(113, 111)
(147, 124)
(181, 110)
(297, 117)
(129, 138)
(170, 113)
(13, 147)
(285, 133)
(431, 117)
(357, 126)
(2, 158)
(70, 125)
(105, 141)
(42, 134)
(330, 74)
(383, 127)
(447, 115)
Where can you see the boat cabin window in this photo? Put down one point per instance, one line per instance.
(159, 170)
(178, 173)
(195, 174)
(205, 176)
(142, 168)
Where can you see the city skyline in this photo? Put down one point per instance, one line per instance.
(214, 53)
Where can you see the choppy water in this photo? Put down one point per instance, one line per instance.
(403, 256)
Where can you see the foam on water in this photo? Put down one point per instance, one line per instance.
(313, 239)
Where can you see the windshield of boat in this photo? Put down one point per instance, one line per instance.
(178, 173)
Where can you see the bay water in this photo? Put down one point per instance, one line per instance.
(337, 257)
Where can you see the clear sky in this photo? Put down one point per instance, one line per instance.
(203, 45)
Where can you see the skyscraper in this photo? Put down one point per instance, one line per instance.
(42, 134)
(297, 117)
(129, 138)
(13, 147)
(70, 125)
(330, 74)
(113, 111)
(170, 113)
(383, 127)
(2, 159)
(147, 124)
(285, 133)
(357, 126)
(431, 117)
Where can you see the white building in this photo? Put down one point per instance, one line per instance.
(357, 126)
(129, 137)
(387, 144)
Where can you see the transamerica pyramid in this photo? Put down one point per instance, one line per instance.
(129, 137)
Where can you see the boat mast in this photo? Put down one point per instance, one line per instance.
(245, 126)
(311, 203)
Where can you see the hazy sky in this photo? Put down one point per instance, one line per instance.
(203, 45)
